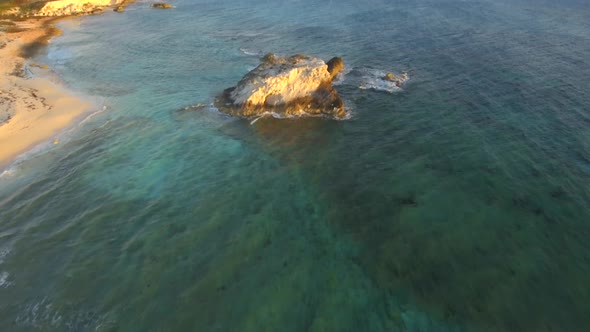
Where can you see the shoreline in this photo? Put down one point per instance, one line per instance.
(32, 109)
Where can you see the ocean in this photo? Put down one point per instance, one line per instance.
(460, 202)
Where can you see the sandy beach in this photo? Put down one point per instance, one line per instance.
(32, 109)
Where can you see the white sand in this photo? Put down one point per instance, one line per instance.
(37, 108)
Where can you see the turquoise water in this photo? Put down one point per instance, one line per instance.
(461, 203)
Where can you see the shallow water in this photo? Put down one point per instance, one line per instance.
(458, 204)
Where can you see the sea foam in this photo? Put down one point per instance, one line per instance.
(374, 79)
(248, 52)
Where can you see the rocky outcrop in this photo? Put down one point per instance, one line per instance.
(286, 86)
(162, 5)
(76, 7)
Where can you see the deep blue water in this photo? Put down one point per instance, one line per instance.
(461, 203)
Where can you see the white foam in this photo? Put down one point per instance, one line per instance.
(300, 114)
(35, 314)
(7, 173)
(373, 79)
(347, 116)
(250, 52)
(380, 85)
(341, 77)
(3, 254)
(93, 114)
(4, 280)
(196, 107)
(254, 121)
(44, 315)
(25, 156)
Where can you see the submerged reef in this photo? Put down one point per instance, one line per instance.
(293, 86)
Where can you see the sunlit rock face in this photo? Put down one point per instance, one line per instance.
(286, 86)
(75, 7)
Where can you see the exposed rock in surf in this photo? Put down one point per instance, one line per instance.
(286, 86)
(398, 80)
(161, 5)
(119, 9)
(378, 80)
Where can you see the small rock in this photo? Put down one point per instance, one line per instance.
(398, 80)
(119, 9)
(390, 77)
(335, 66)
(161, 5)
